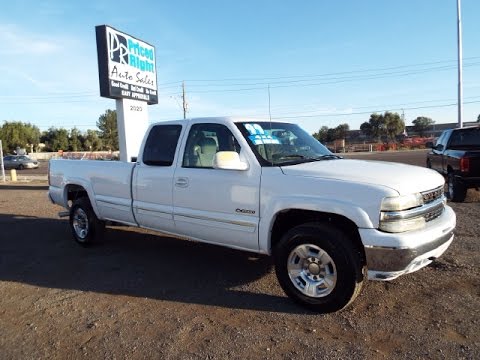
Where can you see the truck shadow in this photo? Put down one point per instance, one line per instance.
(23, 187)
(41, 252)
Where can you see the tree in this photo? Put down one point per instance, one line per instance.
(92, 141)
(55, 139)
(366, 128)
(341, 131)
(107, 124)
(478, 118)
(325, 135)
(16, 134)
(394, 125)
(322, 134)
(380, 125)
(375, 127)
(421, 124)
(75, 140)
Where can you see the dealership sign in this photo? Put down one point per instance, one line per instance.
(126, 66)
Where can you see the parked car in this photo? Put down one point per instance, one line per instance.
(456, 155)
(19, 162)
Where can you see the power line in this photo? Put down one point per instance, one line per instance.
(393, 106)
(371, 111)
(334, 73)
(332, 81)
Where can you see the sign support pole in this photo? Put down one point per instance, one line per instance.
(132, 123)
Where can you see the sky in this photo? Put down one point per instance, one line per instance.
(315, 62)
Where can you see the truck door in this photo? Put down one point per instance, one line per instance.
(437, 152)
(213, 205)
(153, 178)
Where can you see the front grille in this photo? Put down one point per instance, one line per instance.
(432, 215)
(432, 195)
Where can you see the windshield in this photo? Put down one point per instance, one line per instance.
(277, 144)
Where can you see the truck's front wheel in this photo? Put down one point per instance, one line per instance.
(318, 267)
(84, 223)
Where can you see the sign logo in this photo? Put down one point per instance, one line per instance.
(130, 52)
(117, 48)
(126, 66)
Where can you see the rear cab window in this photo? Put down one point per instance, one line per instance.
(161, 145)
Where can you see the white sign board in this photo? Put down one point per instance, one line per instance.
(126, 66)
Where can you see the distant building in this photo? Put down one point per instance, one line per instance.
(436, 129)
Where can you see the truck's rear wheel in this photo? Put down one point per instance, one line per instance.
(457, 192)
(84, 223)
(318, 267)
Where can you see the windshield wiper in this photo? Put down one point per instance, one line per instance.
(328, 157)
(303, 158)
(292, 156)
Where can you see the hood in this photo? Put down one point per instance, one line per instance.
(405, 179)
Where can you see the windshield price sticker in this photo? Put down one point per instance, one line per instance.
(258, 135)
(254, 129)
(263, 139)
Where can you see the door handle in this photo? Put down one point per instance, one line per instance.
(181, 182)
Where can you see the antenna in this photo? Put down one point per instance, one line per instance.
(270, 116)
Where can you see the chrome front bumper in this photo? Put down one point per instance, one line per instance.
(391, 255)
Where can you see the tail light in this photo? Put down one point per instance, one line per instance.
(464, 164)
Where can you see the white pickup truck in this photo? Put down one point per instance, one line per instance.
(270, 188)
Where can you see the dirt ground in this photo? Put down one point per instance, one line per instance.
(137, 295)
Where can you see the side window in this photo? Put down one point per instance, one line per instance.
(161, 145)
(204, 141)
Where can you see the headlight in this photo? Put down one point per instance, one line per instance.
(398, 214)
(399, 203)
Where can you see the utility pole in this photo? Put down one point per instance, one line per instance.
(1, 160)
(459, 45)
(184, 101)
(269, 110)
(404, 125)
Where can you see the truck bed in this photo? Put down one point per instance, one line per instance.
(108, 184)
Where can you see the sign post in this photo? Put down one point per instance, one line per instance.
(127, 73)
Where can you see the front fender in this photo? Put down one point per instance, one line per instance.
(343, 208)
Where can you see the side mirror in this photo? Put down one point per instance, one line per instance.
(229, 160)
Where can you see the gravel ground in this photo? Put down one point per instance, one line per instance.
(138, 295)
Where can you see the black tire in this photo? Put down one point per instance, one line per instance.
(20, 167)
(429, 164)
(343, 260)
(457, 192)
(85, 225)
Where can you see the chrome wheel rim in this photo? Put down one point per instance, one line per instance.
(80, 223)
(312, 271)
